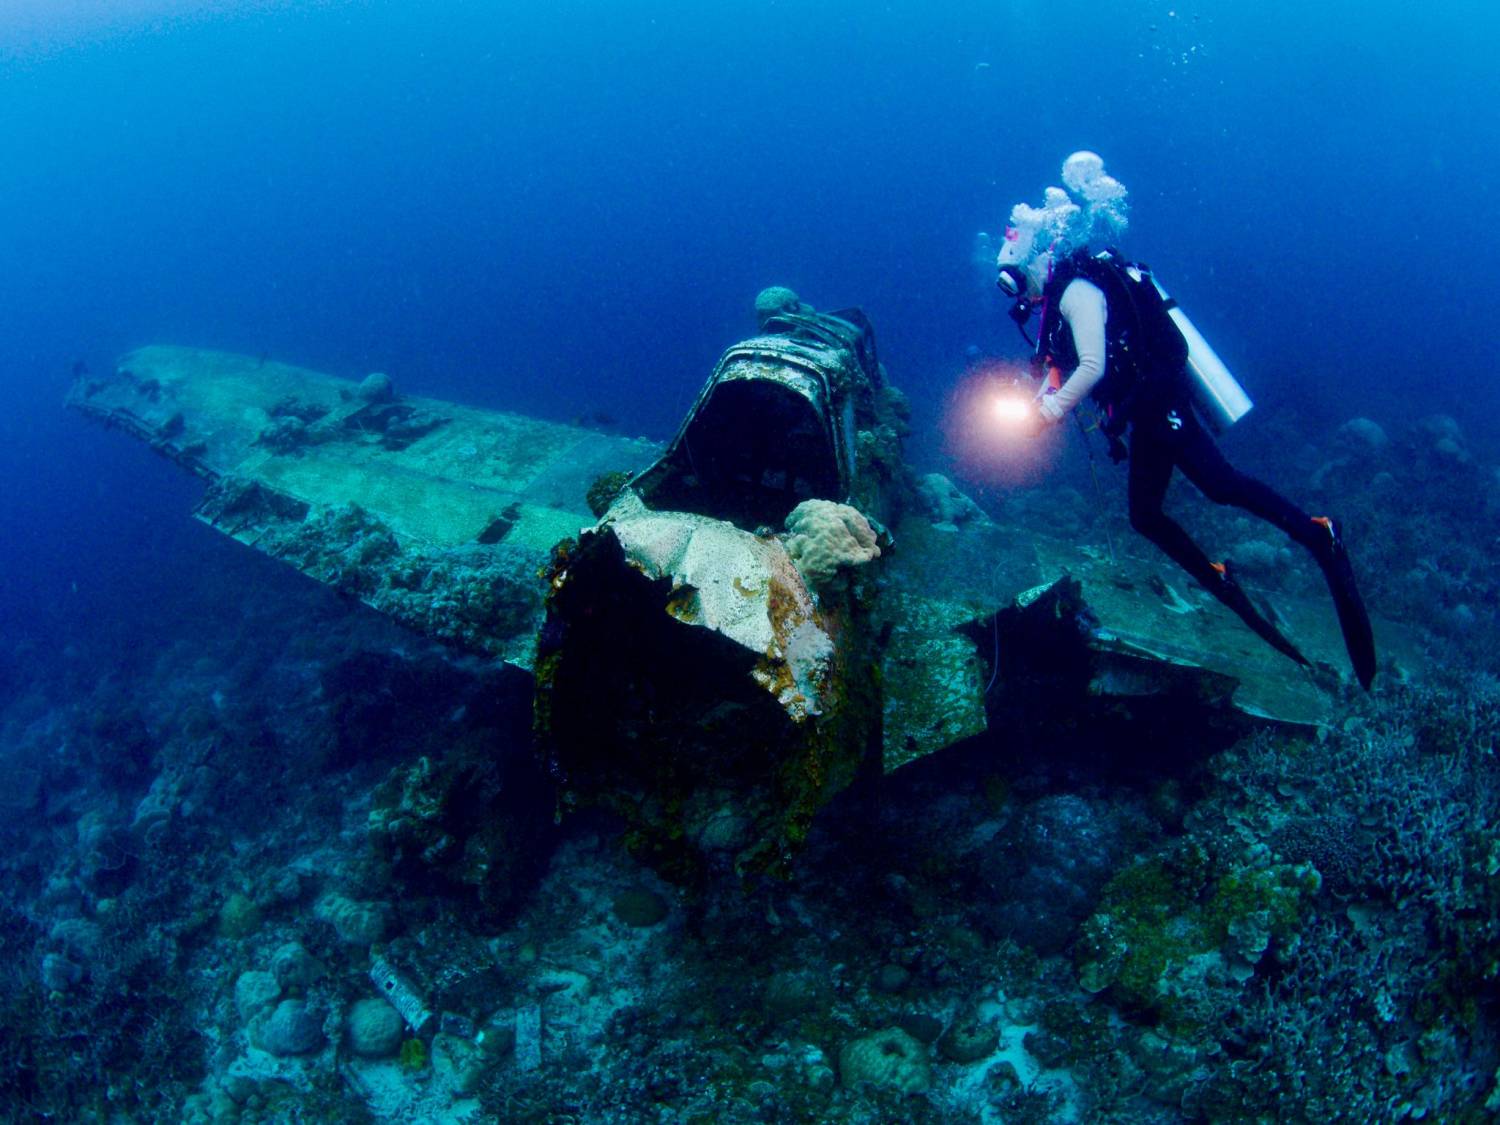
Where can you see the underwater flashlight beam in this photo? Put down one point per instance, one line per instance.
(1011, 408)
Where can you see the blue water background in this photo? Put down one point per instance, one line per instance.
(568, 207)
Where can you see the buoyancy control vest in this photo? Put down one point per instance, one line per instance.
(1145, 353)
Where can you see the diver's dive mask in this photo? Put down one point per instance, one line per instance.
(1012, 281)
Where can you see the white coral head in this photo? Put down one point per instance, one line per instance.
(826, 536)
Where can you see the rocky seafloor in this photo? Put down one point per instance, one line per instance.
(237, 841)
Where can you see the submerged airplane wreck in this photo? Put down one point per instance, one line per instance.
(725, 632)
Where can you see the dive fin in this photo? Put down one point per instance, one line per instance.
(1233, 595)
(1359, 638)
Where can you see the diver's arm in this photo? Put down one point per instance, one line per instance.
(1084, 308)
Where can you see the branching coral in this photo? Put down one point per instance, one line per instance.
(1377, 1013)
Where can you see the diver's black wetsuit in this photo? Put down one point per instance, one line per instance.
(1154, 397)
(1168, 435)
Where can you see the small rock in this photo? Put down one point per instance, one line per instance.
(294, 1028)
(944, 503)
(376, 387)
(59, 974)
(968, 1041)
(295, 968)
(1364, 432)
(889, 1059)
(1442, 427)
(724, 830)
(357, 923)
(286, 889)
(1450, 450)
(640, 907)
(253, 992)
(892, 978)
(1260, 557)
(820, 1077)
(239, 917)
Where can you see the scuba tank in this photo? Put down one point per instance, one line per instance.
(1218, 394)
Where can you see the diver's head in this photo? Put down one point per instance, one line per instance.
(1025, 256)
(1024, 278)
(1093, 205)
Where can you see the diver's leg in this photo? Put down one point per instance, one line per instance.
(1150, 472)
(1203, 464)
(1153, 454)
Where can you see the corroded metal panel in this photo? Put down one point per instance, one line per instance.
(1147, 632)
(439, 514)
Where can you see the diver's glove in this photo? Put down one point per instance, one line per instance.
(1033, 424)
(1048, 407)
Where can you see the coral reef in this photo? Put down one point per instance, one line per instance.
(605, 488)
(217, 823)
(777, 300)
(475, 822)
(1232, 943)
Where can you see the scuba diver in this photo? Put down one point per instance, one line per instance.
(1109, 332)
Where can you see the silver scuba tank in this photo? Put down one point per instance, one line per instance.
(1217, 392)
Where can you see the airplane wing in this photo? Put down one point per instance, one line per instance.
(438, 514)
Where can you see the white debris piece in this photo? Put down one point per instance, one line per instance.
(403, 997)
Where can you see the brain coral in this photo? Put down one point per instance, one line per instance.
(826, 536)
(890, 1059)
(775, 300)
(358, 923)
